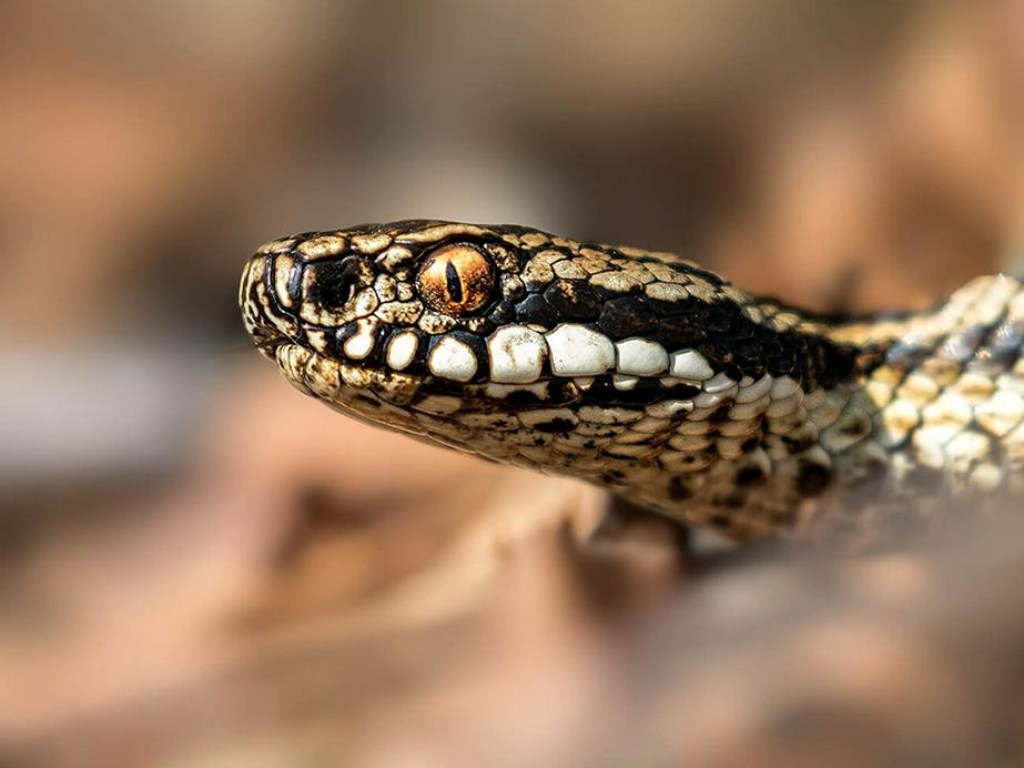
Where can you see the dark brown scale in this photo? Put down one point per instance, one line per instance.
(573, 300)
(813, 479)
(720, 414)
(752, 442)
(678, 490)
(750, 475)
(858, 427)
(627, 316)
(535, 310)
(604, 392)
(555, 426)
(734, 500)
(796, 446)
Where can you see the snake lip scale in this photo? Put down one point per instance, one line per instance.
(649, 374)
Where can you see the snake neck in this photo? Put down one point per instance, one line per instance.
(932, 407)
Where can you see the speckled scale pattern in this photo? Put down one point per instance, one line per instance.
(652, 376)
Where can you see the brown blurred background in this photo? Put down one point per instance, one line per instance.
(198, 567)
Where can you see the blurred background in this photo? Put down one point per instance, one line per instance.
(199, 567)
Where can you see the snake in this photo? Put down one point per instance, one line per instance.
(650, 375)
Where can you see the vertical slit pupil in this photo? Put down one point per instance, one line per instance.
(451, 275)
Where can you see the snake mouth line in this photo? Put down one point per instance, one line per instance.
(268, 338)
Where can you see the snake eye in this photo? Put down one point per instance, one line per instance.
(456, 280)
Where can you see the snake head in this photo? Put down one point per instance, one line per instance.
(527, 347)
(413, 302)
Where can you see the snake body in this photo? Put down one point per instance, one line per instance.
(648, 374)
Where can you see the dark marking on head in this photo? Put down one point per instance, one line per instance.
(627, 316)
(573, 300)
(535, 310)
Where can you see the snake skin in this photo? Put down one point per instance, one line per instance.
(648, 374)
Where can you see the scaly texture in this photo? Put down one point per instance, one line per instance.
(648, 374)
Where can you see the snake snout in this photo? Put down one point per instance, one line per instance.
(268, 303)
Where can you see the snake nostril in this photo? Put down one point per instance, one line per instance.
(335, 283)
